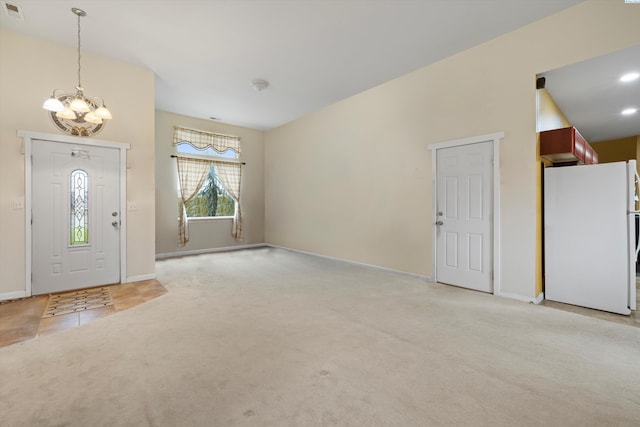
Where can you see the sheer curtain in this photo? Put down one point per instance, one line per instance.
(230, 175)
(191, 173)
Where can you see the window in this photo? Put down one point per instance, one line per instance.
(212, 200)
(210, 178)
(79, 221)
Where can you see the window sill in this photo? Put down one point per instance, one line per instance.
(208, 218)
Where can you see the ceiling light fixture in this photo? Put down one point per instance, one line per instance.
(73, 112)
(259, 84)
(629, 77)
(629, 111)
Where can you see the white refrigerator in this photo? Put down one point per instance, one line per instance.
(589, 235)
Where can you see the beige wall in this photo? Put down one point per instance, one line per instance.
(354, 179)
(209, 233)
(549, 115)
(29, 71)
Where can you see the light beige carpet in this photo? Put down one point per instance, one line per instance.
(268, 337)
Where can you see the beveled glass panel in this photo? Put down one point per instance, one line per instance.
(79, 208)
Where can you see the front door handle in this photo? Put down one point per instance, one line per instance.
(115, 223)
(439, 223)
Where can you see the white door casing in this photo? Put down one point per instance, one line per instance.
(466, 212)
(81, 144)
(58, 263)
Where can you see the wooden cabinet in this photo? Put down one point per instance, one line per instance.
(588, 155)
(566, 145)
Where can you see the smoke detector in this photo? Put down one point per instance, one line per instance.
(259, 84)
(12, 10)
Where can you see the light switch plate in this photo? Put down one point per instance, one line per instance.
(18, 204)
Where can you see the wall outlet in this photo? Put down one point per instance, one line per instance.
(18, 204)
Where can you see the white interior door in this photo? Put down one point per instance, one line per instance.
(75, 216)
(464, 206)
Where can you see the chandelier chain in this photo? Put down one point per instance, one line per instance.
(79, 66)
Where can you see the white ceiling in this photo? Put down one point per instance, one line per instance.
(314, 53)
(591, 95)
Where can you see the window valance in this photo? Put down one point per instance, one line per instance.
(202, 140)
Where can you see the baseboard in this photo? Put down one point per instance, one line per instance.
(361, 264)
(13, 295)
(141, 277)
(539, 298)
(518, 297)
(209, 250)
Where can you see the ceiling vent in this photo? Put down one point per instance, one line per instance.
(12, 10)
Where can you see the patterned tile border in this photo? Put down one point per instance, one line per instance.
(76, 301)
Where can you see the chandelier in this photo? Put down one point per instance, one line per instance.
(73, 112)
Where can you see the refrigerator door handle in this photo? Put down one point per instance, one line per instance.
(634, 192)
(636, 185)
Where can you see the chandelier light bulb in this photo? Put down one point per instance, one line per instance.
(103, 112)
(53, 104)
(66, 113)
(92, 118)
(79, 105)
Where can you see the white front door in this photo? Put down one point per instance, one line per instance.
(75, 216)
(464, 215)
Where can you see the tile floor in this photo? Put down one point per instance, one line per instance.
(22, 320)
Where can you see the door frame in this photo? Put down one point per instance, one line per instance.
(494, 138)
(27, 138)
